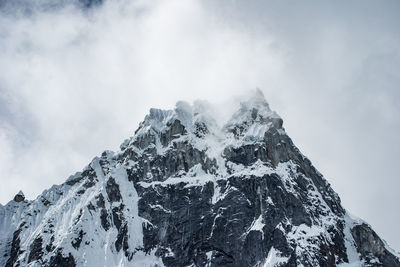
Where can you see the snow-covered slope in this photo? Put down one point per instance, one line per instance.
(184, 191)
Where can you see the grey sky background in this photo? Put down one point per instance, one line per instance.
(74, 83)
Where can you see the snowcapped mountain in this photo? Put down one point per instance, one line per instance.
(184, 191)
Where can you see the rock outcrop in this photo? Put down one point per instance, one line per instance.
(19, 197)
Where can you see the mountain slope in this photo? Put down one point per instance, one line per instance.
(185, 192)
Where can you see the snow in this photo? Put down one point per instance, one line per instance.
(256, 111)
(257, 169)
(256, 132)
(352, 254)
(159, 207)
(209, 257)
(195, 177)
(258, 225)
(156, 120)
(68, 214)
(275, 258)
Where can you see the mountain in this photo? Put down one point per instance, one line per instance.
(184, 191)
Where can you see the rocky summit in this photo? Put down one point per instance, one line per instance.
(188, 191)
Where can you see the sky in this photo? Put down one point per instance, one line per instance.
(75, 82)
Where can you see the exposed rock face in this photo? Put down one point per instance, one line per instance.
(19, 197)
(185, 192)
(370, 246)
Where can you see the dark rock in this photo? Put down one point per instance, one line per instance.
(46, 202)
(50, 247)
(104, 217)
(36, 249)
(19, 197)
(175, 129)
(80, 192)
(89, 183)
(59, 260)
(76, 243)
(112, 189)
(72, 182)
(15, 247)
(369, 245)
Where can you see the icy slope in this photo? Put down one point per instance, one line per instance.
(184, 191)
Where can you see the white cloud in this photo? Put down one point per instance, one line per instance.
(80, 82)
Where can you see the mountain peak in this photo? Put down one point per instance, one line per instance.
(254, 117)
(185, 192)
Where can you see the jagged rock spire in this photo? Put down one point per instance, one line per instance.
(19, 196)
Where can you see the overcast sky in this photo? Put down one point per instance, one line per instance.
(75, 83)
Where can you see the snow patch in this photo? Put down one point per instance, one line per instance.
(258, 225)
(275, 258)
